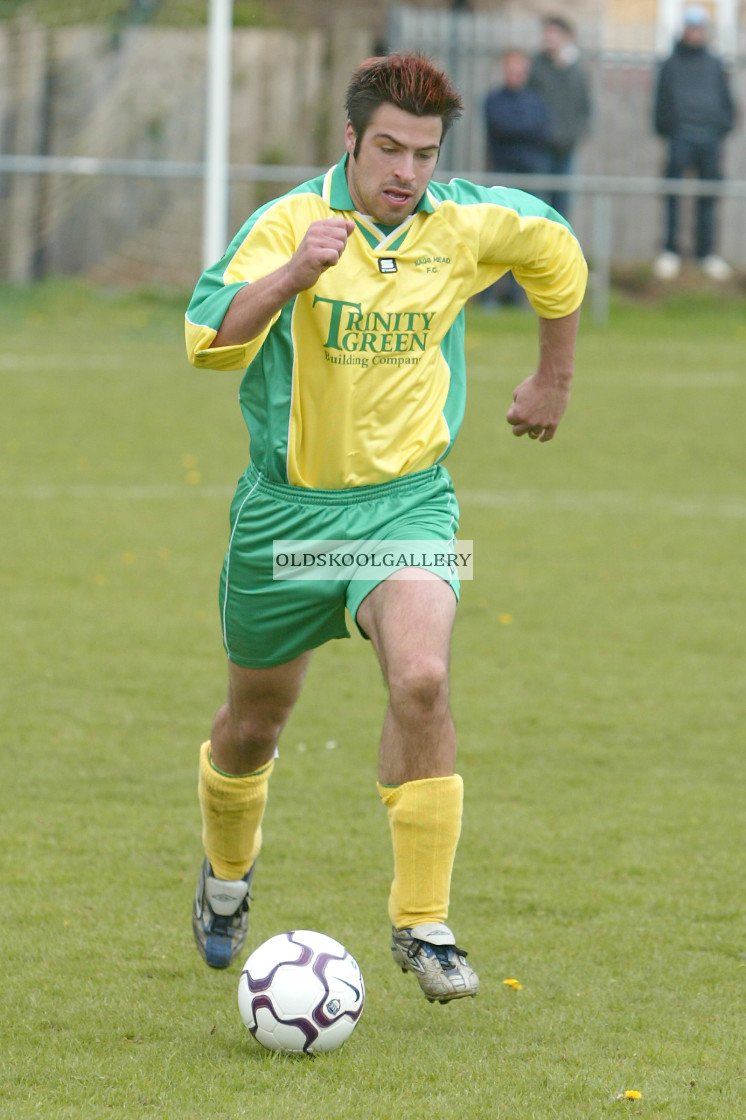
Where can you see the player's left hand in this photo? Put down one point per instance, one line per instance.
(538, 406)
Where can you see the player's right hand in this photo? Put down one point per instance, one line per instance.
(321, 248)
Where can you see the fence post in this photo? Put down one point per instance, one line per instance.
(603, 216)
(28, 47)
(217, 138)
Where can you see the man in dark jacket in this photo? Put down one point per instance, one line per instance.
(693, 111)
(518, 121)
(519, 126)
(558, 76)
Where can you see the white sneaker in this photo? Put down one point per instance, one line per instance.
(667, 266)
(716, 268)
(429, 952)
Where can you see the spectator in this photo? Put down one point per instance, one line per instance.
(558, 76)
(693, 111)
(519, 126)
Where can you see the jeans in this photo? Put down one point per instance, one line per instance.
(562, 163)
(702, 156)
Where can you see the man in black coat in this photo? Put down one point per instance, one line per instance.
(693, 111)
(557, 75)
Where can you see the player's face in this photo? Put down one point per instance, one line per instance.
(397, 157)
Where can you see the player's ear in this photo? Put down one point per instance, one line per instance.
(350, 138)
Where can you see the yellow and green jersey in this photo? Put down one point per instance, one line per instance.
(361, 379)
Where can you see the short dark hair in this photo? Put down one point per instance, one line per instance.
(409, 81)
(560, 22)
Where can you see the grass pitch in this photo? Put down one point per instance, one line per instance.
(598, 691)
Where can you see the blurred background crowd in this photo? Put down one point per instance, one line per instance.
(102, 121)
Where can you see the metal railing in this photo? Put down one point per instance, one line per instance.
(601, 189)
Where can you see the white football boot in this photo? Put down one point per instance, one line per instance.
(220, 917)
(429, 952)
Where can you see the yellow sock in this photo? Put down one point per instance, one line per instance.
(232, 811)
(425, 820)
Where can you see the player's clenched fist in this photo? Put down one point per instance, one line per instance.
(538, 406)
(321, 248)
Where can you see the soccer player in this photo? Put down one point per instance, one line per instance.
(343, 301)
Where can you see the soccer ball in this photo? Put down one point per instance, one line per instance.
(301, 992)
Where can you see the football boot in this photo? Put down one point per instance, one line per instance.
(220, 918)
(429, 952)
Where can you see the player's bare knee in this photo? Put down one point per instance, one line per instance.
(420, 685)
(257, 732)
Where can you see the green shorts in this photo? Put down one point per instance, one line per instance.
(268, 621)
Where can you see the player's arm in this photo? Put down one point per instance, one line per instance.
(540, 401)
(255, 304)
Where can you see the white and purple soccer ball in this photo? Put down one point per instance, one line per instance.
(301, 992)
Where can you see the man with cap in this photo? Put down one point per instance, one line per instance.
(693, 111)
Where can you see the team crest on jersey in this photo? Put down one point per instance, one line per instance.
(387, 264)
(431, 264)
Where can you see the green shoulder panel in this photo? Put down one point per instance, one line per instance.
(465, 193)
(212, 296)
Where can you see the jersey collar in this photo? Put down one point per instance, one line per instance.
(337, 193)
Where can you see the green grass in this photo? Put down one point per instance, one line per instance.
(597, 687)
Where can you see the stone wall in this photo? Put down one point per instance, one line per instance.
(74, 93)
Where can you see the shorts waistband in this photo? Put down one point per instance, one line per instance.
(302, 494)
